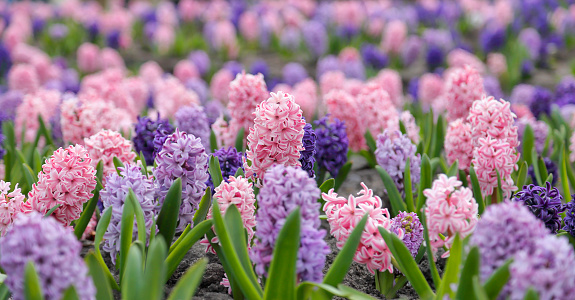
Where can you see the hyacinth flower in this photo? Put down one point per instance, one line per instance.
(145, 130)
(284, 189)
(546, 203)
(451, 210)
(105, 145)
(182, 156)
(68, 179)
(161, 134)
(408, 225)
(342, 105)
(276, 137)
(307, 156)
(193, 120)
(11, 205)
(230, 161)
(331, 146)
(54, 252)
(458, 144)
(463, 86)
(114, 196)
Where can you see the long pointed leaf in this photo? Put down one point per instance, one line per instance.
(528, 144)
(564, 178)
(103, 290)
(451, 275)
(476, 190)
(407, 186)
(213, 141)
(204, 207)
(240, 140)
(100, 231)
(86, 215)
(470, 269)
(495, 283)
(118, 164)
(187, 285)
(132, 282)
(215, 171)
(397, 203)
(140, 221)
(522, 175)
(179, 252)
(70, 294)
(126, 235)
(342, 175)
(430, 257)
(424, 182)
(155, 271)
(32, 287)
(168, 217)
(238, 234)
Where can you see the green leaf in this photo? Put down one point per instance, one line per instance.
(205, 205)
(49, 213)
(215, 171)
(240, 172)
(402, 127)
(155, 271)
(118, 164)
(126, 233)
(36, 162)
(70, 294)
(397, 203)
(132, 282)
(100, 171)
(430, 257)
(451, 274)
(100, 231)
(168, 217)
(528, 144)
(407, 264)
(189, 239)
(32, 287)
(543, 168)
(5, 292)
(327, 185)
(86, 215)
(535, 166)
(240, 140)
(439, 137)
(238, 234)
(187, 285)
(140, 221)
(370, 141)
(531, 294)
(144, 167)
(470, 269)
(103, 290)
(424, 182)
(495, 283)
(44, 130)
(305, 289)
(522, 175)
(478, 290)
(476, 190)
(564, 178)
(342, 175)
(453, 169)
(499, 188)
(29, 174)
(407, 186)
(281, 281)
(430, 137)
(213, 141)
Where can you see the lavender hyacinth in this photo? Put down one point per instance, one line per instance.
(260, 66)
(315, 37)
(565, 91)
(331, 145)
(199, 86)
(544, 202)
(230, 161)
(182, 156)
(201, 60)
(413, 230)
(55, 253)
(145, 132)
(114, 195)
(193, 120)
(285, 189)
(5, 60)
(542, 100)
(326, 64)
(540, 131)
(160, 136)
(393, 149)
(569, 219)
(293, 73)
(307, 157)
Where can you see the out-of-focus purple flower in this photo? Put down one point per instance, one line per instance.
(434, 57)
(234, 67)
(9, 102)
(201, 60)
(58, 31)
(145, 131)
(565, 91)
(326, 64)
(492, 87)
(542, 100)
(307, 156)
(214, 109)
(5, 60)
(293, 73)
(284, 190)
(353, 69)
(70, 80)
(413, 87)
(260, 66)
(230, 161)
(439, 38)
(531, 40)
(413, 230)
(411, 50)
(492, 38)
(193, 120)
(331, 145)
(373, 56)
(569, 219)
(393, 150)
(56, 126)
(199, 86)
(540, 132)
(93, 30)
(113, 39)
(290, 38)
(527, 68)
(522, 94)
(551, 169)
(315, 37)
(544, 202)
(237, 8)
(38, 25)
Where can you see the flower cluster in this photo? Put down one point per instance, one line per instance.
(230, 161)
(451, 209)
(11, 205)
(393, 150)
(540, 131)
(182, 156)
(411, 229)
(493, 118)
(463, 86)
(341, 105)
(331, 145)
(383, 115)
(544, 202)
(41, 103)
(284, 189)
(344, 214)
(193, 120)
(145, 130)
(307, 156)
(458, 144)
(105, 145)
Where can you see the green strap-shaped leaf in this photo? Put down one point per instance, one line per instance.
(535, 165)
(470, 269)
(189, 239)
(236, 290)
(531, 294)
(451, 275)
(476, 190)
(187, 285)
(132, 282)
(370, 141)
(306, 288)
(528, 144)
(408, 187)
(100, 171)
(32, 287)
(495, 283)
(240, 140)
(49, 213)
(36, 162)
(205, 204)
(29, 174)
(144, 167)
(397, 203)
(424, 182)
(126, 234)
(155, 271)
(282, 279)
(324, 188)
(240, 172)
(45, 131)
(4, 292)
(429, 138)
(168, 217)
(478, 290)
(439, 137)
(70, 294)
(564, 178)
(543, 168)
(430, 256)
(215, 171)
(117, 163)
(213, 141)
(499, 188)
(453, 169)
(522, 175)
(103, 290)
(86, 215)
(342, 175)
(100, 231)
(140, 220)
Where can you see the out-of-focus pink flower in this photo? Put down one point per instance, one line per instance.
(395, 33)
(139, 91)
(24, 53)
(390, 80)
(224, 38)
(40, 103)
(164, 38)
(332, 80)
(222, 131)
(23, 77)
(220, 84)
(450, 210)
(383, 114)
(412, 129)
(166, 14)
(459, 58)
(496, 63)
(430, 88)
(521, 111)
(189, 10)
(284, 87)
(458, 144)
(105, 145)
(344, 107)
(151, 72)
(503, 12)
(492, 155)
(462, 87)
(344, 214)
(349, 14)
(88, 58)
(110, 58)
(353, 86)
(11, 205)
(572, 148)
(185, 70)
(109, 86)
(170, 94)
(305, 95)
(249, 26)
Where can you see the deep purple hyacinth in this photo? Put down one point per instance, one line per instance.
(182, 156)
(293, 73)
(315, 37)
(285, 189)
(565, 91)
(569, 220)
(9, 102)
(413, 230)
(113, 39)
(544, 202)
(307, 157)
(160, 135)
(38, 25)
(230, 161)
(411, 50)
(492, 38)
(55, 253)
(412, 88)
(542, 100)
(5, 60)
(434, 57)
(551, 169)
(260, 66)
(145, 134)
(393, 149)
(114, 195)
(93, 30)
(373, 57)
(326, 64)
(234, 67)
(193, 120)
(527, 68)
(331, 145)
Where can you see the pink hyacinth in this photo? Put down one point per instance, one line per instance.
(497, 63)
(237, 191)
(458, 144)
(249, 26)
(395, 33)
(220, 84)
(164, 37)
(451, 209)
(332, 80)
(186, 70)
(491, 117)
(105, 145)
(412, 129)
(429, 89)
(344, 214)
(88, 58)
(151, 72)
(305, 94)
(284, 87)
(522, 111)
(170, 94)
(224, 38)
(459, 58)
(11, 205)
(390, 80)
(110, 86)
(462, 87)
(383, 114)
(24, 78)
(342, 106)
(492, 155)
(276, 137)
(353, 86)
(110, 59)
(41, 103)
(139, 91)
(68, 179)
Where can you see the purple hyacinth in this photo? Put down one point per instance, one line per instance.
(373, 57)
(434, 57)
(551, 169)
(393, 149)
(5, 60)
(565, 91)
(412, 88)
(93, 30)
(547, 268)
(315, 37)
(58, 31)
(234, 67)
(193, 120)
(182, 156)
(290, 38)
(353, 69)
(293, 73)
(542, 100)
(114, 195)
(160, 136)
(199, 86)
(326, 64)
(569, 219)
(260, 66)
(522, 94)
(146, 130)
(492, 87)
(331, 145)
(540, 131)
(55, 253)
(230, 161)
(9, 102)
(503, 230)
(413, 230)
(544, 202)
(307, 157)
(201, 60)
(214, 109)
(492, 38)
(411, 50)
(285, 189)
(113, 39)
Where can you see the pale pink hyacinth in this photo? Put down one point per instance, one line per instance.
(139, 91)
(110, 86)
(305, 94)
(110, 58)
(390, 80)
(284, 87)
(40, 103)
(332, 80)
(88, 58)
(189, 10)
(224, 38)
(24, 78)
(344, 107)
(220, 84)
(186, 70)
(490, 156)
(491, 117)
(151, 72)
(107, 144)
(170, 94)
(496, 63)
(462, 87)
(164, 37)
(246, 92)
(522, 111)
(223, 134)
(459, 144)
(249, 26)
(68, 179)
(412, 129)
(459, 58)
(354, 86)
(11, 205)
(344, 214)
(276, 137)
(394, 35)
(383, 114)
(451, 209)
(45, 69)
(239, 192)
(430, 88)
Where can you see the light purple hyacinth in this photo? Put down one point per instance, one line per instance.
(193, 120)
(440, 38)
(413, 230)
(199, 86)
(411, 50)
(201, 60)
(58, 31)
(182, 156)
(393, 149)
(290, 38)
(326, 64)
(114, 195)
(285, 189)
(9, 102)
(55, 253)
(492, 87)
(531, 40)
(540, 131)
(547, 268)
(522, 94)
(315, 37)
(293, 73)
